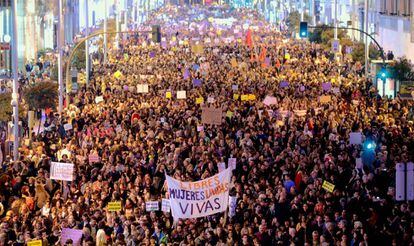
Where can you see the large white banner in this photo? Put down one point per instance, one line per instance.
(200, 198)
(61, 171)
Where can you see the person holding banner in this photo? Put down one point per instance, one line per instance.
(269, 162)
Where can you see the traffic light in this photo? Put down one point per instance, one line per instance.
(303, 29)
(383, 73)
(156, 34)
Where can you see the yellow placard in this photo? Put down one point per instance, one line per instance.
(233, 62)
(245, 97)
(239, 40)
(117, 74)
(229, 114)
(236, 96)
(252, 97)
(168, 95)
(328, 186)
(199, 100)
(114, 206)
(325, 99)
(287, 56)
(198, 49)
(34, 243)
(173, 38)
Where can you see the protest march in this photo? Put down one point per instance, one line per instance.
(226, 132)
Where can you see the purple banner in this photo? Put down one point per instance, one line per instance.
(284, 84)
(197, 82)
(326, 86)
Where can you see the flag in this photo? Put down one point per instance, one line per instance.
(249, 39)
(262, 55)
(278, 65)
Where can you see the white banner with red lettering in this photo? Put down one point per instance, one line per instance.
(201, 198)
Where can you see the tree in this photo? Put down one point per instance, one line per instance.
(293, 20)
(402, 69)
(6, 111)
(41, 95)
(358, 52)
(79, 58)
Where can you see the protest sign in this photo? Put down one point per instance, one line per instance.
(233, 62)
(114, 206)
(93, 158)
(251, 97)
(75, 235)
(221, 166)
(355, 138)
(284, 84)
(186, 74)
(142, 88)
(34, 243)
(181, 94)
(236, 96)
(117, 74)
(232, 205)
(68, 126)
(152, 206)
(326, 86)
(200, 198)
(61, 171)
(269, 100)
(229, 114)
(325, 99)
(358, 163)
(300, 113)
(336, 90)
(197, 49)
(199, 100)
(328, 186)
(197, 82)
(168, 94)
(287, 56)
(211, 115)
(232, 163)
(165, 206)
(196, 67)
(245, 97)
(99, 99)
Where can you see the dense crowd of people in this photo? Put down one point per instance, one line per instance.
(285, 150)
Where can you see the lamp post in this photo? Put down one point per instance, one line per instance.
(105, 45)
(336, 19)
(59, 49)
(366, 37)
(15, 94)
(87, 64)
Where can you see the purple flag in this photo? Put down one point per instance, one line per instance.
(197, 82)
(326, 86)
(267, 61)
(186, 74)
(284, 84)
(152, 54)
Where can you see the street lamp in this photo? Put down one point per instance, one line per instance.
(15, 94)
